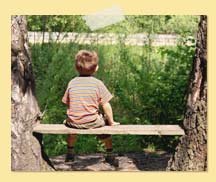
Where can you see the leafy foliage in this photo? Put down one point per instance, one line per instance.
(148, 83)
(144, 92)
(56, 23)
(169, 24)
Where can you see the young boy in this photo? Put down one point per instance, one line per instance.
(83, 96)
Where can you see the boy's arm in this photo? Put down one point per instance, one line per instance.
(65, 98)
(108, 111)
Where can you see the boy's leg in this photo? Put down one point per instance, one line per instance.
(109, 157)
(71, 140)
(107, 140)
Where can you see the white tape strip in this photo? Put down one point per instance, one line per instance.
(104, 18)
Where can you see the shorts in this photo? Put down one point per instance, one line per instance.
(99, 122)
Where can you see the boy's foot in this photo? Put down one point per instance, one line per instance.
(112, 160)
(69, 157)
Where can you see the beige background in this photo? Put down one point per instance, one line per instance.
(63, 7)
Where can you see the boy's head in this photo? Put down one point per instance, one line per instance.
(86, 62)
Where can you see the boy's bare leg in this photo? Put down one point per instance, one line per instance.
(109, 157)
(71, 140)
(107, 140)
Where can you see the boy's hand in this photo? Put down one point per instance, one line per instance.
(114, 123)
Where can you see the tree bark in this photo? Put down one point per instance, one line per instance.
(191, 152)
(26, 149)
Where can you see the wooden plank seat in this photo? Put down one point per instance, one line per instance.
(114, 130)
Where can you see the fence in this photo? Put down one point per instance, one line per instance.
(104, 38)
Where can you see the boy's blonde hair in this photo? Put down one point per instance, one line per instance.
(86, 62)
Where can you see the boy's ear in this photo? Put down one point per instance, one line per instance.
(96, 68)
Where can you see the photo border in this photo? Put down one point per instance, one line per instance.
(135, 7)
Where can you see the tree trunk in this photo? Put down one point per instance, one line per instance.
(191, 152)
(26, 149)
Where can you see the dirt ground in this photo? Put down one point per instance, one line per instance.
(146, 161)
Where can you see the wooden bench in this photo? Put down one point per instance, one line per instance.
(114, 130)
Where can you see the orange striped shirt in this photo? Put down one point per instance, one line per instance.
(83, 96)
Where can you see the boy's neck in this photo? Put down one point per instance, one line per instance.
(85, 75)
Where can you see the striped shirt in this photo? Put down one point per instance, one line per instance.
(83, 96)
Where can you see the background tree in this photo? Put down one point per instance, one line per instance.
(191, 152)
(26, 152)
